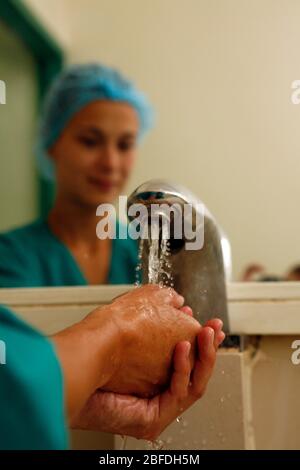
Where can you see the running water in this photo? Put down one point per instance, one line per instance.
(157, 250)
(159, 265)
(138, 269)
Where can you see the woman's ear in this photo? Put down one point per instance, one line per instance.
(53, 151)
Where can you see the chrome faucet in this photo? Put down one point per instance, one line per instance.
(200, 274)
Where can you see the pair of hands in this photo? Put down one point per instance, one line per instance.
(158, 330)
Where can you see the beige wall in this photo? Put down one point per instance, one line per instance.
(219, 73)
(53, 14)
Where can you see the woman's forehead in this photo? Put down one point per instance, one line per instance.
(106, 113)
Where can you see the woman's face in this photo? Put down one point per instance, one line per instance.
(95, 153)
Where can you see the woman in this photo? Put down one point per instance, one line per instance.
(47, 385)
(92, 120)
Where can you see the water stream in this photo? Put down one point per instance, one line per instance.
(156, 250)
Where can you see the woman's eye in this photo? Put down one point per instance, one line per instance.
(125, 146)
(89, 142)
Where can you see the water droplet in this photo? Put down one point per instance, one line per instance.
(223, 372)
(158, 445)
(149, 444)
(178, 419)
(155, 445)
(222, 399)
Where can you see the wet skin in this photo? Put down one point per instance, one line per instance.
(124, 345)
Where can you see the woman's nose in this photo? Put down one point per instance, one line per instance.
(109, 157)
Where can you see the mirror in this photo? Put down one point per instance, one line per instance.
(220, 83)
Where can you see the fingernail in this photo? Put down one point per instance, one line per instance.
(188, 349)
(221, 324)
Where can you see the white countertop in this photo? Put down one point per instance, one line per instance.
(270, 308)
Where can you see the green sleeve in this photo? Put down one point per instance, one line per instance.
(14, 267)
(31, 389)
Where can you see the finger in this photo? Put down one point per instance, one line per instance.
(205, 363)
(221, 337)
(186, 309)
(166, 294)
(172, 297)
(216, 324)
(182, 370)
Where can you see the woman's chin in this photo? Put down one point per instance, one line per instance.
(101, 197)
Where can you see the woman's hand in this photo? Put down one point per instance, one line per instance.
(124, 347)
(151, 323)
(146, 419)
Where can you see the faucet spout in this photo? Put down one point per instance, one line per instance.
(199, 273)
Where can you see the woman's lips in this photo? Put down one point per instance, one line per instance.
(102, 185)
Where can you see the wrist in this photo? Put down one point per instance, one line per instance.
(89, 354)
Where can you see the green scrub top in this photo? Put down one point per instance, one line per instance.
(32, 256)
(31, 389)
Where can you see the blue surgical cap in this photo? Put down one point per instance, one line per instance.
(72, 90)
